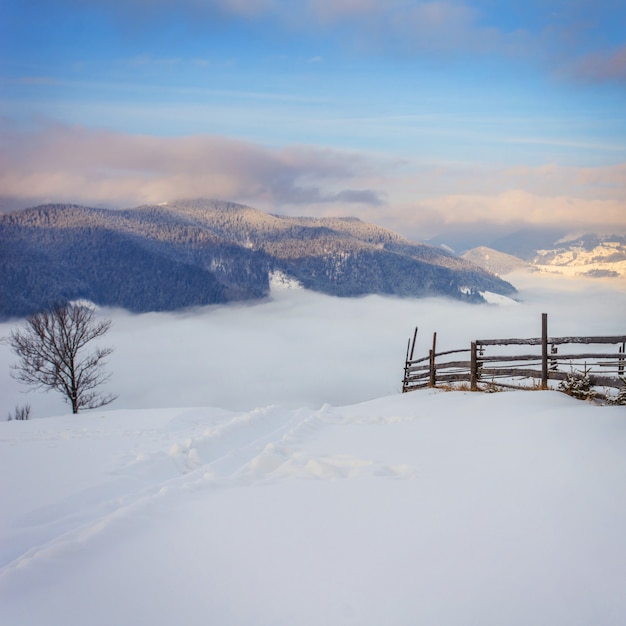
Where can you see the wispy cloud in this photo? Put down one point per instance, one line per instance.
(70, 164)
(564, 34)
(601, 66)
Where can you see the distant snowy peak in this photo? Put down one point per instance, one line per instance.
(588, 255)
(585, 257)
(494, 261)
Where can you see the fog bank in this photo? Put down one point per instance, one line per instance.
(302, 349)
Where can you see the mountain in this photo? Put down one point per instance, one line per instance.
(588, 255)
(198, 252)
(494, 261)
(524, 243)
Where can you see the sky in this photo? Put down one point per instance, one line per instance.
(420, 116)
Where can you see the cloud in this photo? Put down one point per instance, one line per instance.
(354, 347)
(602, 66)
(571, 39)
(358, 196)
(70, 164)
(519, 206)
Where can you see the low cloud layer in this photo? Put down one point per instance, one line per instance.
(305, 349)
(101, 168)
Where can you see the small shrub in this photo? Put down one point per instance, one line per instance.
(578, 385)
(21, 413)
(620, 398)
(491, 387)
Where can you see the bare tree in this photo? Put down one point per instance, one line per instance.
(51, 354)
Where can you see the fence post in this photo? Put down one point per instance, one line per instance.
(544, 350)
(433, 376)
(406, 369)
(413, 344)
(473, 368)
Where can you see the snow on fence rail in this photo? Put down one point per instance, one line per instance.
(489, 362)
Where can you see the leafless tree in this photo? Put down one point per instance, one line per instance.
(52, 356)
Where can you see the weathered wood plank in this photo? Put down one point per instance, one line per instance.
(448, 378)
(413, 345)
(536, 341)
(587, 340)
(533, 341)
(512, 372)
(413, 361)
(505, 358)
(438, 354)
(544, 350)
(558, 358)
(416, 387)
(433, 353)
(473, 367)
(563, 358)
(453, 364)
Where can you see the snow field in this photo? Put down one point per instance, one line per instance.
(424, 508)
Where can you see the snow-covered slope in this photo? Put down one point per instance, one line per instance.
(279, 281)
(605, 259)
(589, 257)
(494, 261)
(424, 508)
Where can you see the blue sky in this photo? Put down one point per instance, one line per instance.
(423, 116)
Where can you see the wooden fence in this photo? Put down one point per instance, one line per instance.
(490, 362)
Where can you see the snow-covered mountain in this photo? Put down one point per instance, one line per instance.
(196, 252)
(584, 256)
(495, 261)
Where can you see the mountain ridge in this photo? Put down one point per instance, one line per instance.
(197, 252)
(589, 255)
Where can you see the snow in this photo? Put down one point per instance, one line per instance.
(496, 298)
(311, 508)
(607, 257)
(279, 280)
(423, 508)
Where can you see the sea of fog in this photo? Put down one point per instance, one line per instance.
(302, 349)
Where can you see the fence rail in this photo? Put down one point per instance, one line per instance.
(604, 369)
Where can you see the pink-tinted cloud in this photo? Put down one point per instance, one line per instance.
(61, 163)
(101, 168)
(602, 66)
